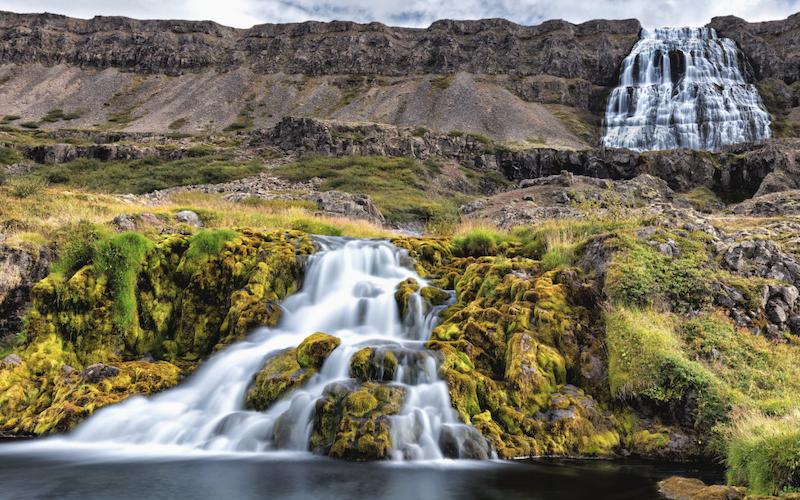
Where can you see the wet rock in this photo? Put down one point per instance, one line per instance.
(352, 420)
(373, 363)
(463, 442)
(434, 295)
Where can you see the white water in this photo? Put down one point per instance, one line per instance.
(684, 87)
(348, 293)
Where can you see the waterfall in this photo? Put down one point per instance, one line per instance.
(684, 87)
(348, 293)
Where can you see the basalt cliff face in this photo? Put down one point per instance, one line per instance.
(135, 75)
(772, 51)
(591, 51)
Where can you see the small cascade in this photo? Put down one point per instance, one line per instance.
(684, 87)
(349, 293)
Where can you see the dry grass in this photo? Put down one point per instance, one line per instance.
(37, 220)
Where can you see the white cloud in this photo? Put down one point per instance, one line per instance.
(417, 13)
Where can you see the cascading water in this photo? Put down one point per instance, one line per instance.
(684, 87)
(348, 293)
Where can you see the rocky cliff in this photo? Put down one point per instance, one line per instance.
(772, 49)
(548, 82)
(591, 51)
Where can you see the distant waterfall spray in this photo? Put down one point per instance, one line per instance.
(684, 87)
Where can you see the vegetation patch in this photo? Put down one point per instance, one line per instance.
(147, 174)
(441, 81)
(394, 183)
(178, 124)
(119, 258)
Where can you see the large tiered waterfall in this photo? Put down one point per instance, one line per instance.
(348, 293)
(684, 87)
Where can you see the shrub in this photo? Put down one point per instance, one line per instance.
(434, 167)
(200, 151)
(149, 173)
(420, 131)
(441, 81)
(390, 181)
(53, 116)
(455, 133)
(24, 187)
(29, 125)
(9, 156)
(235, 126)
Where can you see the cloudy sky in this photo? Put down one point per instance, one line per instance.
(416, 13)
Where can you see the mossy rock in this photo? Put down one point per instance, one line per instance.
(188, 301)
(373, 364)
(289, 370)
(351, 420)
(313, 351)
(533, 371)
(434, 295)
(404, 289)
(359, 403)
(63, 399)
(280, 375)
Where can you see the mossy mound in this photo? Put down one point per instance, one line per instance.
(288, 370)
(352, 420)
(512, 345)
(312, 351)
(180, 298)
(58, 401)
(372, 363)
(404, 290)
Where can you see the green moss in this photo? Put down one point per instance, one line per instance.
(359, 403)
(313, 351)
(280, 375)
(434, 295)
(404, 290)
(120, 258)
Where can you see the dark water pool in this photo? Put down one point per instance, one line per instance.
(38, 473)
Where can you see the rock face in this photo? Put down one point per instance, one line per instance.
(772, 51)
(20, 270)
(591, 51)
